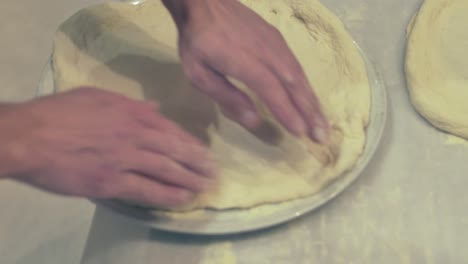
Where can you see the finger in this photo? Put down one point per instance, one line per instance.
(106, 96)
(151, 105)
(143, 108)
(259, 79)
(157, 121)
(169, 139)
(191, 156)
(235, 104)
(165, 170)
(293, 79)
(309, 107)
(148, 116)
(139, 189)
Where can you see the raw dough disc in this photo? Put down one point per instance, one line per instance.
(437, 64)
(131, 49)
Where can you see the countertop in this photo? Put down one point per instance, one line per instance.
(409, 206)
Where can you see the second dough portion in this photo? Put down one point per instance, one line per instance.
(437, 64)
(131, 49)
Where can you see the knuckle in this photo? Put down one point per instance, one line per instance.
(177, 149)
(197, 185)
(99, 186)
(274, 96)
(292, 76)
(289, 78)
(122, 129)
(157, 141)
(275, 33)
(126, 130)
(166, 167)
(129, 124)
(294, 66)
(196, 75)
(147, 197)
(217, 39)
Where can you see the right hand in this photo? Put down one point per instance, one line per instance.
(96, 144)
(221, 39)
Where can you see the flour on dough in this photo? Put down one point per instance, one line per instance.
(437, 64)
(131, 49)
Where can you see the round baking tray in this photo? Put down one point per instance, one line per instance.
(216, 222)
(211, 222)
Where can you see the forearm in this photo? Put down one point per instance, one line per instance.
(11, 127)
(4, 107)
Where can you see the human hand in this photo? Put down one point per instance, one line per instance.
(96, 144)
(220, 39)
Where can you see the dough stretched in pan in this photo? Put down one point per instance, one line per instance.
(131, 49)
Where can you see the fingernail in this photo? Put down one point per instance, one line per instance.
(249, 119)
(320, 135)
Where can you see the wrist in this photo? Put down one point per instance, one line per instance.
(12, 152)
(179, 9)
(182, 11)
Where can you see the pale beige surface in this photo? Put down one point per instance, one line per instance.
(35, 228)
(132, 49)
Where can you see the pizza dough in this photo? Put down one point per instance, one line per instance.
(437, 64)
(131, 49)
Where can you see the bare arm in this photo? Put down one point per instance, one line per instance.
(96, 144)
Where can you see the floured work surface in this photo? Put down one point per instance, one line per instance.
(131, 49)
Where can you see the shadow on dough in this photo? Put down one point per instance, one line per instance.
(162, 80)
